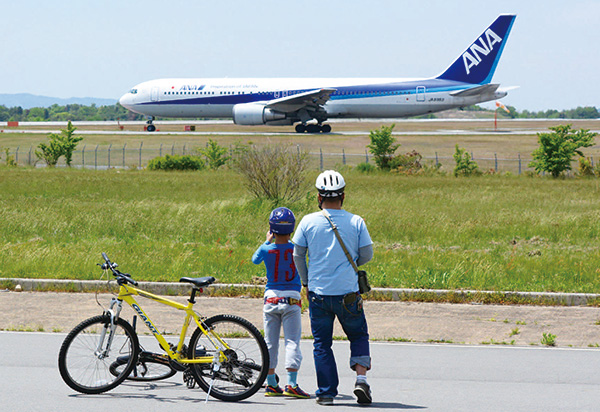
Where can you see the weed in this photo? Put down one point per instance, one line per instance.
(548, 339)
(514, 332)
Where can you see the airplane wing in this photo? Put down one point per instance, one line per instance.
(310, 100)
(475, 91)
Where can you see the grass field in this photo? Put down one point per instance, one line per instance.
(486, 233)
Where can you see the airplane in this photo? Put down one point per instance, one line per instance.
(310, 102)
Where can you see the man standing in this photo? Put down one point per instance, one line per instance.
(333, 285)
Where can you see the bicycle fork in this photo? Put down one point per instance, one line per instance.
(101, 350)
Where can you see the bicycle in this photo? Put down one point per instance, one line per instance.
(226, 355)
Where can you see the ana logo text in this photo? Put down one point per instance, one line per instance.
(191, 87)
(471, 57)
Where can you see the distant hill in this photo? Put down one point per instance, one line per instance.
(27, 101)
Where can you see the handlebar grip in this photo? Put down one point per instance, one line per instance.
(105, 257)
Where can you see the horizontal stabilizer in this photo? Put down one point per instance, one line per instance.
(476, 91)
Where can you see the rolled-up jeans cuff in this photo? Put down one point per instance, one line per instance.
(360, 360)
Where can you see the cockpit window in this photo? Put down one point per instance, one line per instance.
(133, 91)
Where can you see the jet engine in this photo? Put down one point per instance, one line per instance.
(252, 114)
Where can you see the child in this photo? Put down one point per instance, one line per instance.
(281, 301)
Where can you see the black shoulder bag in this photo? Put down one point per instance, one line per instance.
(363, 281)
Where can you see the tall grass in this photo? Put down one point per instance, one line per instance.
(492, 233)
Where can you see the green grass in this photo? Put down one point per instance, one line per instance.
(429, 232)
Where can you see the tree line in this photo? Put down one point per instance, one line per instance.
(69, 112)
(78, 112)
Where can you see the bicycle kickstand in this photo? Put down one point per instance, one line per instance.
(216, 368)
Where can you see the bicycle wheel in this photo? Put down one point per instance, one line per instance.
(247, 358)
(84, 359)
(149, 367)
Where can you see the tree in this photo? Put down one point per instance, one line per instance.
(215, 154)
(63, 144)
(464, 165)
(382, 146)
(556, 150)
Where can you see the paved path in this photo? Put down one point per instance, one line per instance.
(416, 322)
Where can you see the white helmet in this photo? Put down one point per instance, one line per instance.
(330, 184)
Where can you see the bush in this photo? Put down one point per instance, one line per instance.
(215, 155)
(556, 150)
(383, 146)
(464, 165)
(63, 144)
(277, 173)
(365, 167)
(585, 167)
(408, 163)
(176, 162)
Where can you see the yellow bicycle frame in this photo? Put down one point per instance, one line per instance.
(127, 293)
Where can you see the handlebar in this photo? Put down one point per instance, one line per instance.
(121, 277)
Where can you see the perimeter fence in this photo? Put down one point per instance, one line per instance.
(103, 157)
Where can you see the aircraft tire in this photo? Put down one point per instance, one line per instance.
(300, 128)
(151, 128)
(326, 128)
(313, 128)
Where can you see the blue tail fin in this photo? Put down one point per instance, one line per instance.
(478, 63)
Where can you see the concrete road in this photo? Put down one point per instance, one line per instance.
(404, 377)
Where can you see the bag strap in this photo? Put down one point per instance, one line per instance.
(339, 238)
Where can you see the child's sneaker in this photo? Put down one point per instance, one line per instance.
(273, 391)
(296, 392)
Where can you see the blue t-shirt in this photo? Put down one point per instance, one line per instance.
(281, 271)
(329, 271)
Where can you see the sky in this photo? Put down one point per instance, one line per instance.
(74, 48)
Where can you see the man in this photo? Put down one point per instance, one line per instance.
(333, 285)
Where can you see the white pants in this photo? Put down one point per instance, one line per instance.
(289, 316)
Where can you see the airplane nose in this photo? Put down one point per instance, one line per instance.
(125, 101)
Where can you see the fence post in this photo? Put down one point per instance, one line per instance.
(436, 159)
(495, 163)
(17, 155)
(96, 158)
(321, 150)
(184, 149)
(592, 160)
(343, 157)
(519, 163)
(367, 156)
(109, 147)
(83, 157)
(31, 148)
(173, 150)
(124, 155)
(141, 144)
(160, 150)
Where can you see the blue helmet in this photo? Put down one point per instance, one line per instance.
(282, 221)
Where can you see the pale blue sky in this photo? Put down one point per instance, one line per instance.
(77, 48)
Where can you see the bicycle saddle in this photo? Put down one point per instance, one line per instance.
(199, 282)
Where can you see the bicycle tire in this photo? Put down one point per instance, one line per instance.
(147, 368)
(80, 366)
(244, 373)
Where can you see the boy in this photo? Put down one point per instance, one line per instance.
(282, 305)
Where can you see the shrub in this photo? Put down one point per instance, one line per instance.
(408, 163)
(215, 155)
(383, 146)
(585, 167)
(556, 150)
(464, 165)
(365, 167)
(63, 144)
(276, 172)
(176, 162)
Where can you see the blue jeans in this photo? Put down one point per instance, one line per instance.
(323, 311)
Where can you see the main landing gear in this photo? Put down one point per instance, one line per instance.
(149, 125)
(313, 128)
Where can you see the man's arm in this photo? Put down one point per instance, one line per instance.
(300, 263)
(365, 254)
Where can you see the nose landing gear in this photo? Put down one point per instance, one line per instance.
(149, 125)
